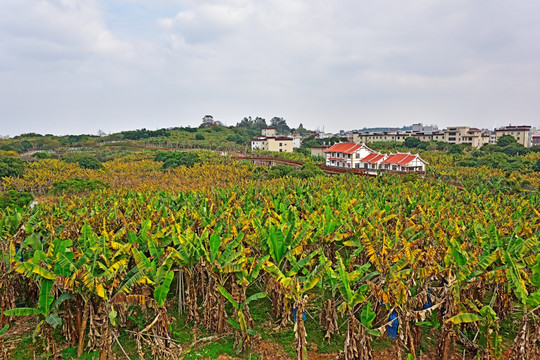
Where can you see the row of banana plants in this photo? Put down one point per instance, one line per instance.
(390, 256)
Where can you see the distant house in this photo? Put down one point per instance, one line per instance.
(269, 132)
(278, 144)
(297, 141)
(258, 143)
(346, 155)
(465, 135)
(319, 150)
(522, 133)
(536, 140)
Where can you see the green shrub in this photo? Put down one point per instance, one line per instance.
(74, 186)
(309, 170)
(85, 161)
(279, 171)
(13, 198)
(172, 159)
(10, 166)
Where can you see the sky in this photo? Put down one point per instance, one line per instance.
(80, 66)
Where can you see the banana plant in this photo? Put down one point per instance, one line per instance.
(354, 289)
(282, 244)
(187, 257)
(490, 341)
(223, 256)
(241, 324)
(526, 340)
(296, 283)
(4, 350)
(47, 312)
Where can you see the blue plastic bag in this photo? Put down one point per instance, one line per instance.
(392, 329)
(294, 310)
(428, 303)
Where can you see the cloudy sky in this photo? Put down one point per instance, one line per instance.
(79, 66)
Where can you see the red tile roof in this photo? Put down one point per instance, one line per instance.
(377, 158)
(369, 157)
(402, 158)
(395, 158)
(347, 148)
(373, 158)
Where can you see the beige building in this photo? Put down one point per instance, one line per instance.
(319, 150)
(278, 144)
(465, 135)
(367, 138)
(522, 134)
(429, 136)
(269, 132)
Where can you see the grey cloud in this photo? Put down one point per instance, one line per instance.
(73, 64)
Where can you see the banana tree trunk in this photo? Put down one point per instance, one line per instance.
(191, 299)
(300, 330)
(106, 341)
(445, 341)
(221, 313)
(357, 345)
(527, 340)
(82, 330)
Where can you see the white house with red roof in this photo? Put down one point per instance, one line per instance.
(403, 162)
(359, 156)
(346, 155)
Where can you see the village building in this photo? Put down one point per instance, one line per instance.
(319, 150)
(429, 136)
(269, 132)
(269, 141)
(535, 140)
(522, 133)
(346, 155)
(278, 144)
(465, 135)
(371, 137)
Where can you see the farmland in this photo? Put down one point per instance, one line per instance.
(134, 259)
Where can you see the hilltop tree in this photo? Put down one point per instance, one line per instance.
(207, 121)
(280, 124)
(255, 124)
(302, 130)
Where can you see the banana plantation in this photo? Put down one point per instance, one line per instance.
(395, 259)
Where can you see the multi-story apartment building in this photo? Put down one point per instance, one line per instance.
(270, 143)
(522, 133)
(371, 137)
(424, 128)
(465, 135)
(430, 136)
(535, 140)
(269, 132)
